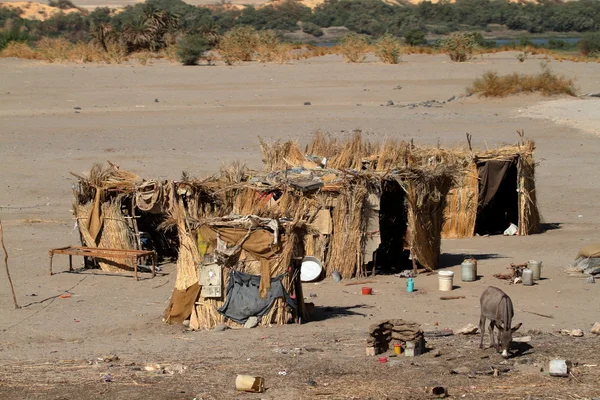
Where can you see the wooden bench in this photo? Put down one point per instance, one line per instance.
(94, 252)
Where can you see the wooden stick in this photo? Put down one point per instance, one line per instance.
(359, 283)
(6, 265)
(540, 315)
(451, 297)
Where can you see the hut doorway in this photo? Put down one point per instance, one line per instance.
(498, 203)
(393, 223)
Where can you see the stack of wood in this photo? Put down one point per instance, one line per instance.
(516, 272)
(384, 335)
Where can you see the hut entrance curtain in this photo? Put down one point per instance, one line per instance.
(95, 219)
(491, 175)
(260, 244)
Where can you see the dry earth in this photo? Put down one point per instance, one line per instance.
(161, 119)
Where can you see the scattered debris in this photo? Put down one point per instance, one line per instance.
(468, 329)
(307, 103)
(247, 383)
(311, 382)
(336, 276)
(76, 108)
(156, 100)
(559, 368)
(538, 314)
(400, 87)
(576, 333)
(383, 360)
(251, 322)
(371, 351)
(439, 391)
(358, 283)
(437, 353)
(312, 295)
(65, 296)
(517, 272)
(461, 370)
(107, 378)
(221, 328)
(596, 328)
(407, 273)
(511, 230)
(591, 279)
(390, 103)
(452, 297)
(522, 339)
(572, 333)
(108, 359)
(433, 334)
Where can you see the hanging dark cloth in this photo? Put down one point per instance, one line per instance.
(243, 300)
(491, 175)
(498, 197)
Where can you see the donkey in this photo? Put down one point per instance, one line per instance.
(498, 308)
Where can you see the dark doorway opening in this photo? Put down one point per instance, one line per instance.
(498, 203)
(393, 223)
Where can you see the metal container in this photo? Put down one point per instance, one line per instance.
(468, 271)
(527, 277)
(536, 269)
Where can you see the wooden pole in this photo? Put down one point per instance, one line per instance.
(6, 265)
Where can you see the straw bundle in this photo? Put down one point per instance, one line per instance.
(347, 241)
(280, 156)
(461, 206)
(189, 255)
(115, 233)
(426, 195)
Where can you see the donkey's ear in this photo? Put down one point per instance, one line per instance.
(516, 327)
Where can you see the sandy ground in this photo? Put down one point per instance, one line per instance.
(161, 119)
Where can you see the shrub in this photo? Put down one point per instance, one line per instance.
(415, 38)
(353, 48)
(589, 45)
(460, 46)
(269, 48)
(62, 4)
(239, 44)
(388, 49)
(54, 50)
(191, 48)
(312, 29)
(490, 84)
(13, 35)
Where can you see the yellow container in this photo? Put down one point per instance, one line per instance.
(398, 349)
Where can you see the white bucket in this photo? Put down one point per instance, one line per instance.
(445, 280)
(311, 269)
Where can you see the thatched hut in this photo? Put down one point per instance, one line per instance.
(492, 188)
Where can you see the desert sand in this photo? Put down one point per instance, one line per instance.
(161, 119)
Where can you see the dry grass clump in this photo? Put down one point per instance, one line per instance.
(388, 49)
(353, 48)
(20, 50)
(61, 50)
(548, 83)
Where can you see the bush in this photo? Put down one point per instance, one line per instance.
(589, 45)
(13, 35)
(238, 44)
(62, 4)
(415, 38)
(460, 46)
(269, 48)
(312, 29)
(388, 49)
(190, 49)
(353, 48)
(546, 82)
